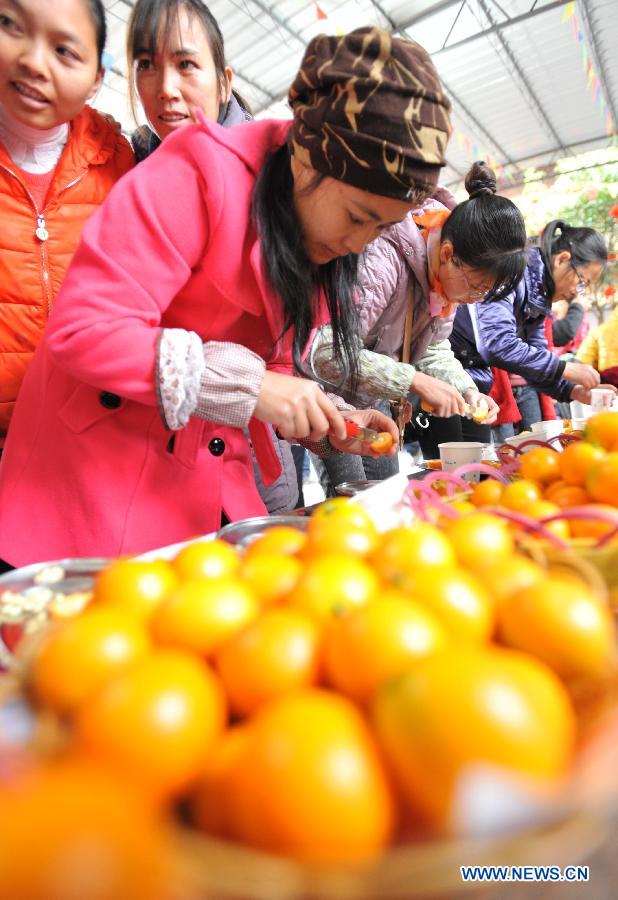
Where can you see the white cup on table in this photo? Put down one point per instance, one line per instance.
(457, 453)
(602, 398)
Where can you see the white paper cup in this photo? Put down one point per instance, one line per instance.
(580, 410)
(601, 399)
(457, 453)
(548, 429)
(578, 424)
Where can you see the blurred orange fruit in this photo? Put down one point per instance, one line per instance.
(560, 621)
(75, 830)
(383, 442)
(478, 538)
(602, 479)
(407, 548)
(77, 656)
(595, 528)
(471, 707)
(339, 526)
(311, 783)
(487, 492)
(269, 575)
(281, 539)
(369, 644)
(565, 495)
(518, 495)
(541, 465)
(541, 509)
(201, 615)
(277, 653)
(330, 585)
(156, 721)
(576, 459)
(134, 585)
(505, 577)
(206, 559)
(602, 429)
(213, 796)
(458, 600)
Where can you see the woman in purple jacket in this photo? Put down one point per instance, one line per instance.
(509, 333)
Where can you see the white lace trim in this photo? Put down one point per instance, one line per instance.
(180, 366)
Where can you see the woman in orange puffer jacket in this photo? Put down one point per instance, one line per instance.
(58, 161)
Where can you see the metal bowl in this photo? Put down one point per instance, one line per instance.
(29, 594)
(349, 488)
(242, 533)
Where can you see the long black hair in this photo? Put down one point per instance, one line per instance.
(488, 232)
(584, 244)
(97, 14)
(291, 273)
(149, 18)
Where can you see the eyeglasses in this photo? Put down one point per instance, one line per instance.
(582, 284)
(474, 293)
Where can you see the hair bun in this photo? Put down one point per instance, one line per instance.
(480, 180)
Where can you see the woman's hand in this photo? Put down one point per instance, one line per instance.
(443, 399)
(298, 408)
(583, 394)
(368, 418)
(474, 398)
(582, 374)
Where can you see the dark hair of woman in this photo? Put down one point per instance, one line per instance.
(97, 14)
(584, 244)
(150, 18)
(488, 232)
(293, 276)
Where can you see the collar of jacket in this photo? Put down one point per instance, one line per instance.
(252, 142)
(535, 303)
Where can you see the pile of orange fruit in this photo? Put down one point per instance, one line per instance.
(550, 484)
(321, 695)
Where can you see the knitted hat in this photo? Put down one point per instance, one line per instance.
(369, 110)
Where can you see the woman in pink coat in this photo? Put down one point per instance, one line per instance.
(190, 301)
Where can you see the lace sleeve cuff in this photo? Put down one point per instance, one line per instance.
(179, 368)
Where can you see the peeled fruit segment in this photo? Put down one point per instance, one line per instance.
(383, 442)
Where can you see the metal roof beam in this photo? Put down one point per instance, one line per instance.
(378, 6)
(593, 29)
(522, 78)
(478, 126)
(267, 10)
(494, 29)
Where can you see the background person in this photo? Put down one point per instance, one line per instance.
(186, 335)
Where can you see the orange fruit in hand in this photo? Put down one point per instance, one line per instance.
(77, 656)
(560, 621)
(478, 538)
(487, 492)
(576, 459)
(332, 584)
(201, 615)
(541, 465)
(311, 784)
(269, 575)
(602, 480)
(469, 707)
(565, 495)
(281, 540)
(156, 721)
(369, 644)
(518, 495)
(383, 442)
(277, 653)
(409, 548)
(458, 600)
(134, 585)
(74, 829)
(602, 430)
(206, 559)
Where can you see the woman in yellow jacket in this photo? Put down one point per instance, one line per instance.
(600, 348)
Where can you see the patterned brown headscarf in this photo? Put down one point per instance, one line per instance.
(369, 110)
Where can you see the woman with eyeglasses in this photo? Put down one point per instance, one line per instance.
(510, 332)
(420, 270)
